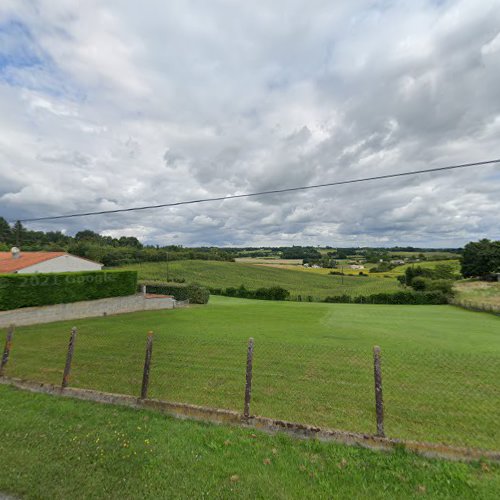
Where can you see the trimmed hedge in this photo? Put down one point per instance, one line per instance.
(196, 294)
(41, 289)
(407, 297)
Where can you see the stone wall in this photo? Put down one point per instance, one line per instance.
(85, 309)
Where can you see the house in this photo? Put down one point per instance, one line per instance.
(19, 262)
(356, 266)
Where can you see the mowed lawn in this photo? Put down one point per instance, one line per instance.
(215, 274)
(60, 448)
(313, 363)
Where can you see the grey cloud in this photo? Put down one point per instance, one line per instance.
(149, 109)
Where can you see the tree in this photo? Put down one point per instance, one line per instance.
(87, 235)
(19, 234)
(5, 231)
(481, 258)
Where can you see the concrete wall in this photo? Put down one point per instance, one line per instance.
(62, 264)
(85, 309)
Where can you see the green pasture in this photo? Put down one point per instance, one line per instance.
(313, 363)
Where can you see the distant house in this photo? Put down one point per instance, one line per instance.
(356, 266)
(19, 262)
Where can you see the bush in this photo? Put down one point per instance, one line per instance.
(271, 293)
(426, 284)
(196, 294)
(40, 289)
(419, 283)
(444, 286)
(406, 297)
(383, 267)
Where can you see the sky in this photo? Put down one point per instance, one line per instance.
(118, 103)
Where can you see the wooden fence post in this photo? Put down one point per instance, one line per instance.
(379, 401)
(248, 385)
(69, 358)
(7, 348)
(147, 364)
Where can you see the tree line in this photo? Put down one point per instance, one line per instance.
(105, 249)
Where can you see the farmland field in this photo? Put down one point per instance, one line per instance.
(454, 263)
(267, 261)
(313, 363)
(343, 265)
(233, 274)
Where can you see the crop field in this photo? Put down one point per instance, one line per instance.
(233, 274)
(343, 265)
(427, 255)
(312, 363)
(268, 261)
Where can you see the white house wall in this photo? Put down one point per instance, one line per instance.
(62, 264)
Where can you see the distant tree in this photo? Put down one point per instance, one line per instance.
(87, 235)
(5, 232)
(297, 252)
(129, 241)
(19, 234)
(444, 271)
(481, 258)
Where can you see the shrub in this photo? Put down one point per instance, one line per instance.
(383, 267)
(419, 283)
(40, 289)
(444, 286)
(406, 297)
(193, 292)
(427, 284)
(271, 293)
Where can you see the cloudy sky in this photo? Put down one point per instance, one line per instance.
(111, 104)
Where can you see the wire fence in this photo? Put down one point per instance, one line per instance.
(416, 394)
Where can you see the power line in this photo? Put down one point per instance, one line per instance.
(262, 193)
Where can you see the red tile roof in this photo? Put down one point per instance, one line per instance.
(26, 259)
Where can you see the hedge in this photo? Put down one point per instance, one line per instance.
(41, 289)
(271, 293)
(196, 294)
(406, 297)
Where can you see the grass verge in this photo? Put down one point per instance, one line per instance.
(60, 448)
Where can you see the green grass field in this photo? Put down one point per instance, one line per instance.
(313, 363)
(60, 448)
(233, 274)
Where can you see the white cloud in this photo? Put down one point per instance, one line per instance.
(116, 104)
